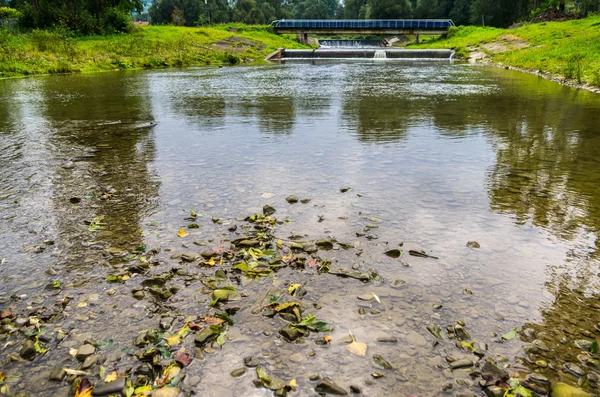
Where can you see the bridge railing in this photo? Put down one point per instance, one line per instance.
(363, 23)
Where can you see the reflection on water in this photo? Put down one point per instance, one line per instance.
(442, 154)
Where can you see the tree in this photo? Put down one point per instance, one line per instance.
(460, 12)
(427, 9)
(389, 9)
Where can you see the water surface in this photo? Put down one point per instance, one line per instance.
(442, 154)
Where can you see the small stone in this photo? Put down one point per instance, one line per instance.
(541, 363)
(494, 391)
(305, 201)
(297, 358)
(381, 362)
(57, 374)
(563, 390)
(290, 333)
(28, 350)
(387, 339)
(269, 210)
(208, 334)
(436, 306)
(377, 375)
(366, 297)
(328, 386)
(355, 389)
(394, 253)
(574, 369)
(324, 244)
(314, 377)
(251, 362)
(291, 199)
(189, 256)
(139, 294)
(89, 361)
(104, 389)
(236, 373)
(461, 332)
(464, 363)
(473, 244)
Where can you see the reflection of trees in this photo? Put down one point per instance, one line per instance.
(570, 317)
(380, 119)
(276, 115)
(102, 134)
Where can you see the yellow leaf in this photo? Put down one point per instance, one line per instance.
(84, 389)
(279, 244)
(143, 390)
(327, 338)
(210, 262)
(73, 352)
(82, 304)
(176, 339)
(74, 371)
(112, 376)
(293, 288)
(182, 233)
(293, 383)
(2, 376)
(358, 348)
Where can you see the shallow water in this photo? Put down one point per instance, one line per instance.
(442, 154)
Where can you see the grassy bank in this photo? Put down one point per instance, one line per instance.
(42, 52)
(569, 49)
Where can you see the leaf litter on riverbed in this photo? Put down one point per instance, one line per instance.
(358, 348)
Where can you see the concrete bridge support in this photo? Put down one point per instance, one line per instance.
(302, 38)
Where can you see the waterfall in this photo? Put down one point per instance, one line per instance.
(380, 54)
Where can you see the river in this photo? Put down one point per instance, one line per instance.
(391, 155)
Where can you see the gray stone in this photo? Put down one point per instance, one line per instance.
(104, 389)
(366, 297)
(328, 386)
(269, 210)
(387, 339)
(297, 358)
(381, 362)
(57, 374)
(28, 350)
(139, 294)
(464, 363)
(291, 199)
(85, 351)
(494, 391)
(89, 361)
(324, 244)
(236, 373)
(290, 333)
(189, 256)
(574, 369)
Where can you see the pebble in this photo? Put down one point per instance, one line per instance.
(297, 357)
(464, 363)
(85, 351)
(236, 373)
(328, 386)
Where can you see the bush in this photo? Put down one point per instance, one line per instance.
(57, 41)
(574, 67)
(116, 21)
(595, 72)
(7, 12)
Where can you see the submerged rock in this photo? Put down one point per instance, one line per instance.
(328, 386)
(395, 253)
(269, 210)
(563, 390)
(290, 333)
(464, 363)
(105, 389)
(324, 244)
(381, 362)
(473, 244)
(291, 199)
(28, 350)
(85, 351)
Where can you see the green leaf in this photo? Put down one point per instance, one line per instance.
(141, 248)
(306, 321)
(96, 224)
(322, 326)
(56, 284)
(226, 317)
(510, 335)
(263, 376)
(594, 347)
(221, 338)
(105, 344)
(102, 371)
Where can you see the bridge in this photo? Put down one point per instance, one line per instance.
(417, 27)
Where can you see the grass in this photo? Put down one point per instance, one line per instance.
(570, 49)
(43, 52)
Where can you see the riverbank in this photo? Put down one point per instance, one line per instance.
(567, 52)
(148, 47)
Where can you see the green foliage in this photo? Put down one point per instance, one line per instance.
(389, 9)
(7, 12)
(574, 67)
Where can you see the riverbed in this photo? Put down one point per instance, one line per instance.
(480, 184)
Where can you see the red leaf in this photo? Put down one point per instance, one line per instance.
(183, 358)
(312, 263)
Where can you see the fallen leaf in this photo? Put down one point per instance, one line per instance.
(213, 320)
(358, 348)
(312, 263)
(293, 383)
(74, 371)
(509, 335)
(182, 233)
(183, 358)
(327, 338)
(102, 371)
(143, 390)
(84, 389)
(376, 298)
(293, 288)
(72, 352)
(178, 337)
(111, 377)
(82, 304)
(279, 244)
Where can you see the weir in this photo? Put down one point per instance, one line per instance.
(363, 53)
(325, 43)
